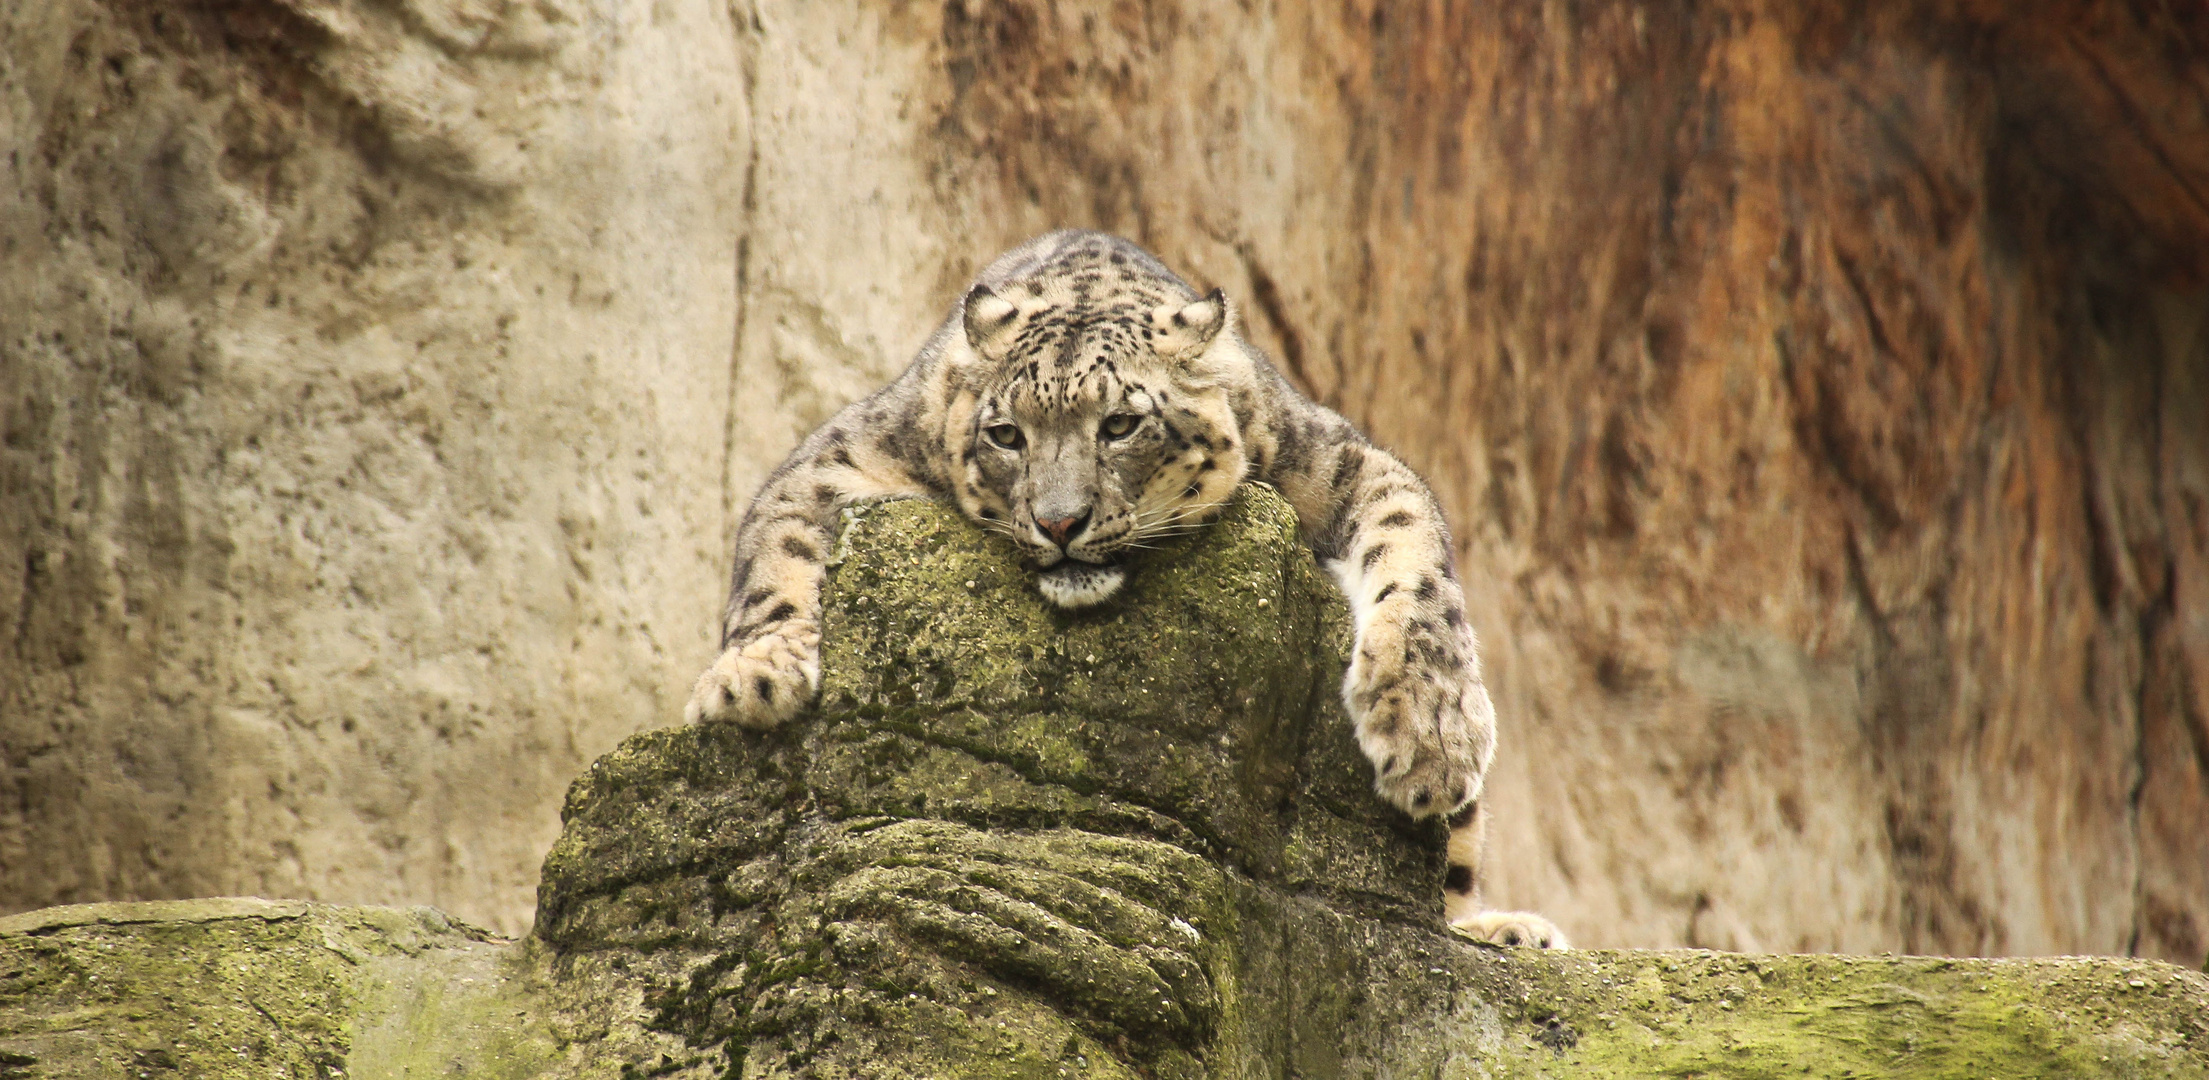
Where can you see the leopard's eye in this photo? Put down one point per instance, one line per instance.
(1004, 436)
(1120, 425)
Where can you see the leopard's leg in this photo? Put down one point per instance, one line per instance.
(1414, 691)
(770, 663)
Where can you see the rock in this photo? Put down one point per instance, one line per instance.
(1016, 842)
(220, 988)
(1070, 827)
(355, 489)
(248, 988)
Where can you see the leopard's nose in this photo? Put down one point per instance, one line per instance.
(1062, 530)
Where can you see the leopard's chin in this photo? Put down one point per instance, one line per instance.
(1075, 585)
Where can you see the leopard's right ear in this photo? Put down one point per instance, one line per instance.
(1185, 330)
(988, 317)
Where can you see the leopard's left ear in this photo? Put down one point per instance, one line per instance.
(1187, 330)
(987, 316)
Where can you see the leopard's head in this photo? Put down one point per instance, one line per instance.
(1100, 419)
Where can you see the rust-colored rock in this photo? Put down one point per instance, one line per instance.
(1821, 402)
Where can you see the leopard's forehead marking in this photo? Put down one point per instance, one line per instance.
(1093, 328)
(1060, 363)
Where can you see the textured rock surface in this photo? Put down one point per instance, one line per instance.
(1817, 394)
(213, 988)
(365, 375)
(253, 989)
(989, 855)
(1106, 836)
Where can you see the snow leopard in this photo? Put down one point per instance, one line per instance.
(1081, 399)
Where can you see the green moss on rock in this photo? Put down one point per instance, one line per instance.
(200, 988)
(1065, 824)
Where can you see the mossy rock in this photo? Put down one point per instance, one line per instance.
(1017, 842)
(249, 988)
(1079, 831)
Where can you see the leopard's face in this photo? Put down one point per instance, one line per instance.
(1098, 431)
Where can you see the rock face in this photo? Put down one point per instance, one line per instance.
(1818, 396)
(358, 484)
(1017, 843)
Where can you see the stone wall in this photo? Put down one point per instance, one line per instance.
(1819, 400)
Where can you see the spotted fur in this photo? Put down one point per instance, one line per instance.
(1084, 402)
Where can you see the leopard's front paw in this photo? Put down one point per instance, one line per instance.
(1429, 741)
(1422, 716)
(760, 683)
(1422, 780)
(1511, 928)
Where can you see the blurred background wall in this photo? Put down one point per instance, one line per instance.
(1821, 400)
